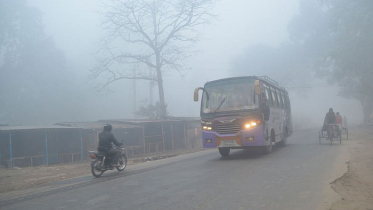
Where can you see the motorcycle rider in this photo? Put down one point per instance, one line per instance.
(104, 145)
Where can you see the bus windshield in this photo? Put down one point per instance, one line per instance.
(229, 95)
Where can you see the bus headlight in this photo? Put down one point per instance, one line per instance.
(206, 128)
(251, 124)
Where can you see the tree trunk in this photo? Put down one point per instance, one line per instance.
(162, 103)
(161, 95)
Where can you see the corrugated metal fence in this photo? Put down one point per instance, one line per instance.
(44, 146)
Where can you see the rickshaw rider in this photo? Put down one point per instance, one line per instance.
(338, 120)
(329, 118)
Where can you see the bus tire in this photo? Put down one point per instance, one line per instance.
(224, 151)
(284, 140)
(268, 148)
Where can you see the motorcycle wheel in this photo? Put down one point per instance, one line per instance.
(122, 162)
(96, 168)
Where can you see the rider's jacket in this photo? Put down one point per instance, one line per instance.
(329, 118)
(105, 139)
(338, 119)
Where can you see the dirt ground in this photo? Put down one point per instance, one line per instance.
(21, 178)
(356, 186)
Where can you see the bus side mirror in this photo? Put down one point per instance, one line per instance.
(257, 87)
(196, 96)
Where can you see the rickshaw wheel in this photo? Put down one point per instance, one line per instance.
(340, 137)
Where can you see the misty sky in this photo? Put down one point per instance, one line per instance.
(75, 27)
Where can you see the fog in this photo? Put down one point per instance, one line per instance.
(241, 40)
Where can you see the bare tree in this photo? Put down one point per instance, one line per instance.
(149, 34)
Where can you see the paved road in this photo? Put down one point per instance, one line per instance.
(291, 177)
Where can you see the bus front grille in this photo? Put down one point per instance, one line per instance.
(229, 128)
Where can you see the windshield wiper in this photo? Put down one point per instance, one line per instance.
(220, 104)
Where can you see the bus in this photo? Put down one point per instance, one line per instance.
(233, 114)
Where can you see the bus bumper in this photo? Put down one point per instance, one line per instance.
(244, 138)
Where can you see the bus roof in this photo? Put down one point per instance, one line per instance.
(262, 78)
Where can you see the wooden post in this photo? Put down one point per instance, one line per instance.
(81, 146)
(143, 136)
(172, 136)
(10, 149)
(46, 147)
(185, 140)
(164, 148)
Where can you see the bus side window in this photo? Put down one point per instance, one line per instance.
(274, 101)
(279, 99)
(269, 103)
(283, 101)
(276, 96)
(287, 102)
(267, 97)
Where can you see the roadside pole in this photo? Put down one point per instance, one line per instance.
(185, 135)
(143, 136)
(10, 149)
(172, 136)
(46, 147)
(164, 148)
(81, 146)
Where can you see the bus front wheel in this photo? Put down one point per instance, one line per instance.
(224, 151)
(268, 148)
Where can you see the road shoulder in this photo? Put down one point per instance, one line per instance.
(16, 179)
(351, 185)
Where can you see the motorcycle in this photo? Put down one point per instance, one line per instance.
(101, 163)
